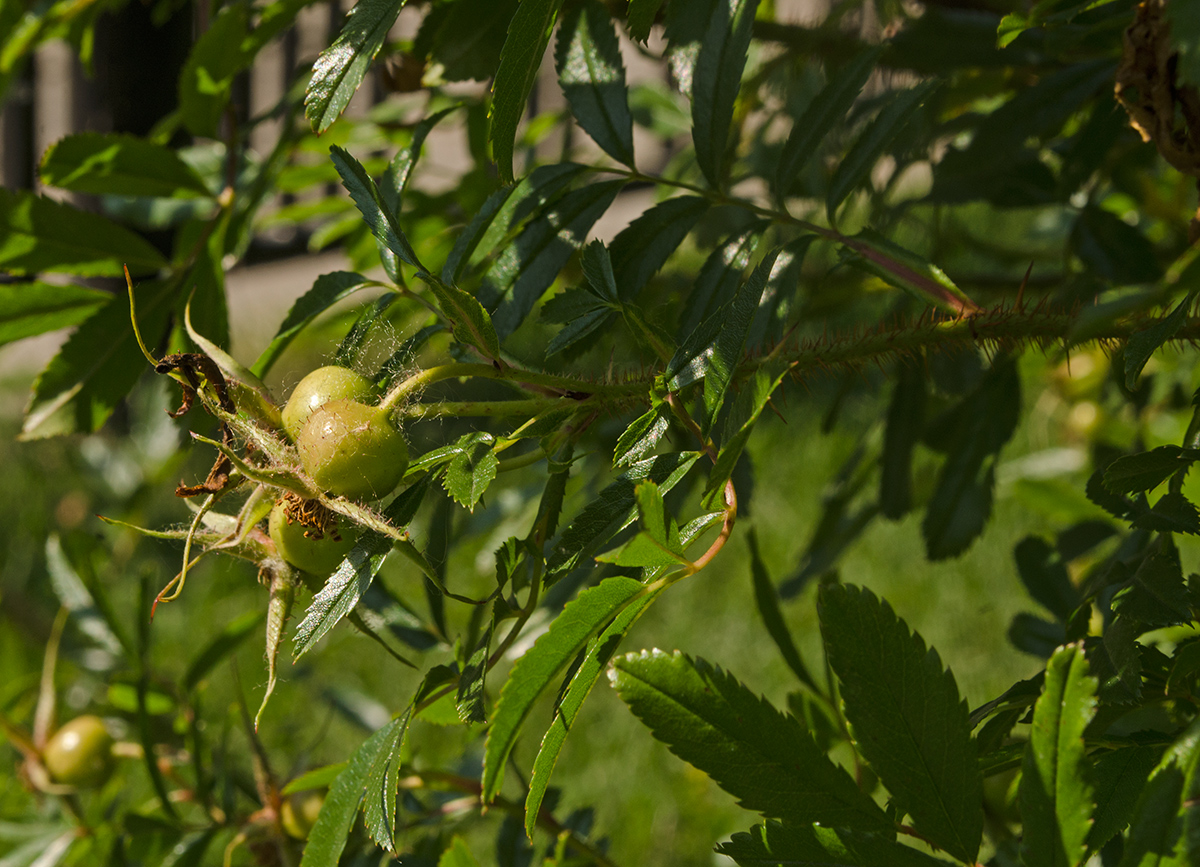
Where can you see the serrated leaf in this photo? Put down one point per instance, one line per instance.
(764, 758)
(642, 435)
(657, 546)
(279, 609)
(351, 579)
(600, 650)
(1156, 595)
(906, 717)
(592, 77)
(328, 836)
(29, 309)
(719, 277)
(640, 17)
(582, 618)
(370, 201)
(731, 341)
(38, 234)
(340, 68)
(1163, 831)
(542, 248)
(1145, 471)
(614, 509)
(1045, 577)
(97, 366)
(1173, 513)
(1146, 341)
(1056, 792)
(589, 320)
(528, 36)
(118, 164)
(738, 424)
(641, 248)
(898, 111)
(471, 469)
(1120, 776)
(775, 844)
(381, 783)
(906, 270)
(470, 697)
(827, 108)
(219, 646)
(716, 80)
(469, 322)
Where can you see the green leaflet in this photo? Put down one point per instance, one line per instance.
(592, 77)
(1120, 776)
(370, 202)
(118, 164)
(580, 620)
(471, 698)
(382, 781)
(764, 758)
(1045, 576)
(327, 290)
(719, 277)
(469, 322)
(640, 17)
(350, 581)
(827, 108)
(642, 435)
(279, 609)
(1145, 471)
(1156, 595)
(328, 836)
(716, 80)
(340, 69)
(207, 78)
(97, 366)
(1165, 828)
(1056, 790)
(38, 234)
(644, 246)
(458, 855)
(28, 309)
(905, 420)
(906, 716)
(775, 844)
(766, 599)
(472, 469)
(1144, 343)
(906, 270)
(528, 36)
(738, 424)
(613, 510)
(856, 165)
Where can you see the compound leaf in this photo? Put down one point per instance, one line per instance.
(775, 844)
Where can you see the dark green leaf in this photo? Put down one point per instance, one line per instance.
(1112, 249)
(827, 108)
(118, 164)
(1120, 777)
(471, 697)
(687, 23)
(220, 646)
(854, 168)
(1145, 471)
(381, 783)
(738, 424)
(1045, 576)
(336, 819)
(1173, 513)
(370, 202)
(1056, 789)
(642, 435)
(716, 81)
(592, 76)
(326, 291)
(28, 309)
(37, 234)
(469, 322)
(1145, 342)
(600, 650)
(719, 277)
(640, 17)
(206, 82)
(466, 40)
(340, 69)
(351, 579)
(767, 600)
(614, 509)
(1035, 635)
(528, 36)
(776, 845)
(906, 717)
(471, 470)
(764, 758)
(97, 366)
(644, 246)
(544, 247)
(1156, 594)
(975, 431)
(590, 318)
(569, 633)
(728, 348)
(1163, 829)
(905, 422)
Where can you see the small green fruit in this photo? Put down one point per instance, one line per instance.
(318, 388)
(299, 813)
(320, 556)
(80, 753)
(352, 450)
